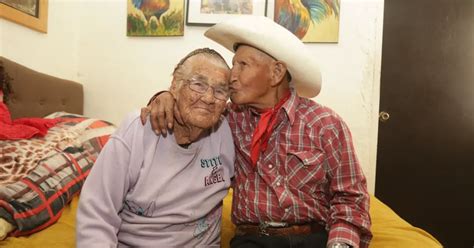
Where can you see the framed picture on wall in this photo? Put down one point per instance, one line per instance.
(155, 18)
(315, 22)
(210, 12)
(29, 13)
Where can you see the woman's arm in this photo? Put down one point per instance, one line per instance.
(103, 193)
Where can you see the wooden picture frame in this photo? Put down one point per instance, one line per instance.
(38, 22)
(200, 12)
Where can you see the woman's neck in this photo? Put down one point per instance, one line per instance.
(185, 134)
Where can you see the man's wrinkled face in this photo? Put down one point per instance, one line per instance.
(203, 92)
(250, 77)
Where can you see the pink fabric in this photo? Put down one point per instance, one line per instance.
(23, 128)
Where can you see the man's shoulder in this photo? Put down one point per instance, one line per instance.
(312, 112)
(310, 106)
(234, 113)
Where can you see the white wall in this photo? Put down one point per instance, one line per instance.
(87, 42)
(54, 53)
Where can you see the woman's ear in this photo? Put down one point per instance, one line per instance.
(174, 87)
(278, 72)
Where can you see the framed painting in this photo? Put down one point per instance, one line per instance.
(210, 12)
(155, 17)
(29, 13)
(309, 20)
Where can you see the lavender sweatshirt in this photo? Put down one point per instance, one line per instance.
(147, 191)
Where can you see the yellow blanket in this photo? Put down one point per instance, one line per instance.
(389, 230)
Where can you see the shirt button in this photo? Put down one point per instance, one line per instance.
(270, 166)
(278, 183)
(287, 210)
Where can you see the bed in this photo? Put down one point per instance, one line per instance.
(40, 176)
(53, 224)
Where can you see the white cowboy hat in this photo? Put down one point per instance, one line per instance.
(266, 35)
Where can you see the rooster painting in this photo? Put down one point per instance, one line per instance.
(298, 15)
(155, 18)
(152, 7)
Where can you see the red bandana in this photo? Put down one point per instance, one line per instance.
(264, 129)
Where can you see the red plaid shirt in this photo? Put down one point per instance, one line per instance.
(309, 172)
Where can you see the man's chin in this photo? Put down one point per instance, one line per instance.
(236, 99)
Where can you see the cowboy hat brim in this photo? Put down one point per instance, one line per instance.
(264, 34)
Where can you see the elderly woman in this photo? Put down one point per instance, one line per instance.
(146, 190)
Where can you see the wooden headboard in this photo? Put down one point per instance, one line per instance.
(36, 94)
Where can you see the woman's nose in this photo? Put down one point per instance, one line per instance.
(208, 96)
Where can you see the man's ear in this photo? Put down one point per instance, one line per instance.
(278, 72)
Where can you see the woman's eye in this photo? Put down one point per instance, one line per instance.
(221, 91)
(200, 84)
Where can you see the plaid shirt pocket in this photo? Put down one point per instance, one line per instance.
(305, 168)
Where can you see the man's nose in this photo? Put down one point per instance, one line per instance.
(233, 74)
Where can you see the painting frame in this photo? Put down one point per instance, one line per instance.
(39, 23)
(195, 18)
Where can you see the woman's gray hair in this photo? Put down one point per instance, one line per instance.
(178, 69)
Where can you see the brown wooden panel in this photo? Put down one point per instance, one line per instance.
(425, 159)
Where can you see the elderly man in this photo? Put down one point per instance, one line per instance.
(151, 191)
(298, 182)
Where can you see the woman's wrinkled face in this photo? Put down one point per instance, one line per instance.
(202, 93)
